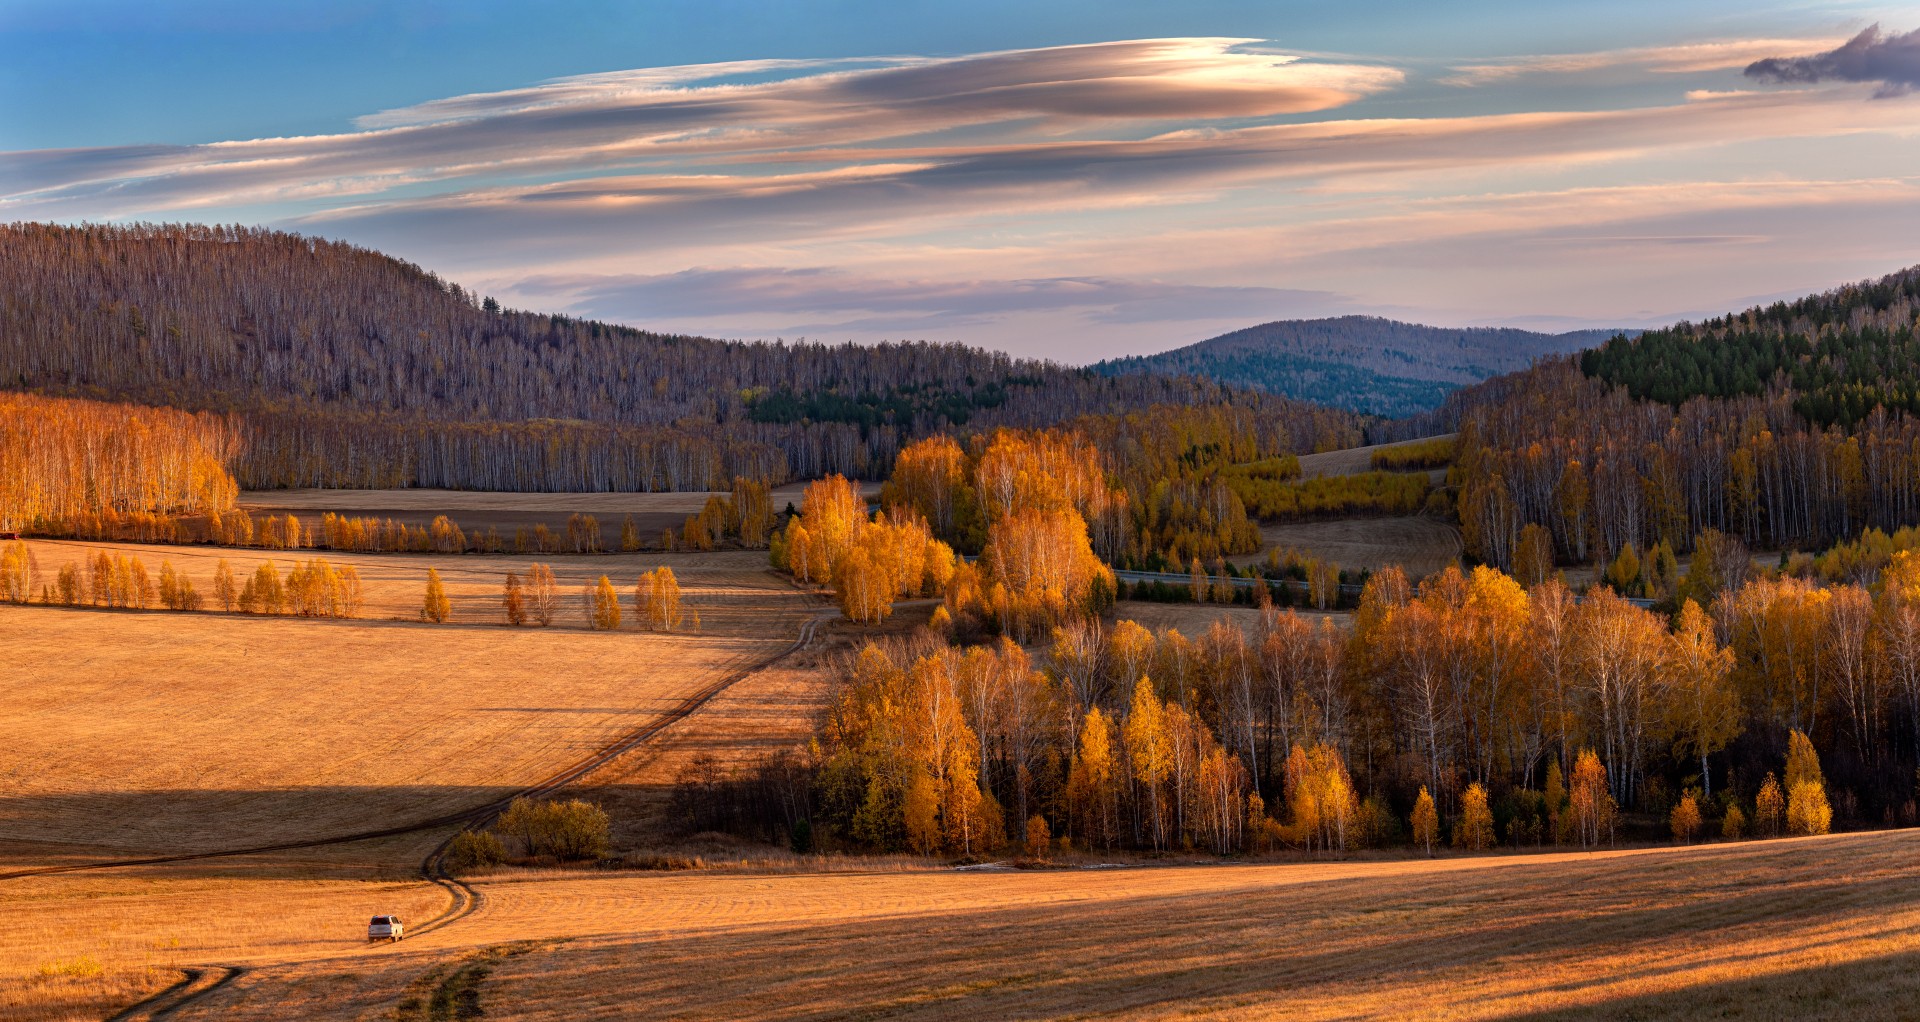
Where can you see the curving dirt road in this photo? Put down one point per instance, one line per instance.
(198, 982)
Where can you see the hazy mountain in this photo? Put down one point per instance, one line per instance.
(1361, 363)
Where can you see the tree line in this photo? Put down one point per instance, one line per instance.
(345, 367)
(316, 588)
(96, 466)
(1467, 709)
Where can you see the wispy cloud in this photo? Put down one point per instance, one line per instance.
(1893, 60)
(674, 118)
(1084, 199)
(1682, 58)
(720, 294)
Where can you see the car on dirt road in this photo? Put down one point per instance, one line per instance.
(384, 928)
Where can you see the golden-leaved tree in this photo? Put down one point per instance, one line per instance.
(656, 599)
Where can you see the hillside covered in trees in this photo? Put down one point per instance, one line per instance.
(1362, 363)
(1843, 353)
(344, 367)
(1790, 426)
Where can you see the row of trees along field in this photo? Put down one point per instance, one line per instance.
(1791, 425)
(1516, 716)
(317, 588)
(349, 368)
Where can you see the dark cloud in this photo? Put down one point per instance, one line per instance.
(1871, 56)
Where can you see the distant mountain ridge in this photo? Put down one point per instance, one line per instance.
(1359, 363)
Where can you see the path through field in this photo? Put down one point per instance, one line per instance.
(1829, 927)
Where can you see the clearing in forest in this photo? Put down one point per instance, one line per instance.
(1418, 543)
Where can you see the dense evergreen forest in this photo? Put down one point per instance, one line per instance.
(1842, 354)
(346, 367)
(1362, 363)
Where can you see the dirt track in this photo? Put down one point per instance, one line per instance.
(1827, 924)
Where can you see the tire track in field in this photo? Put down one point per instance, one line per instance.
(198, 982)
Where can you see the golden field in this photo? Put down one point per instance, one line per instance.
(1815, 927)
(140, 733)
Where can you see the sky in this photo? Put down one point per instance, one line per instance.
(1069, 180)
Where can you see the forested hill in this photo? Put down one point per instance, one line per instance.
(1841, 353)
(1361, 363)
(348, 367)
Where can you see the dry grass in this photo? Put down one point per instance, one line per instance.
(1420, 544)
(1807, 928)
(130, 935)
(164, 732)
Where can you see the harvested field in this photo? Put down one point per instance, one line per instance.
(1420, 544)
(1819, 927)
(84, 946)
(771, 710)
(732, 591)
(1354, 459)
(165, 732)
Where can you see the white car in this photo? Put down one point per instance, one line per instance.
(384, 928)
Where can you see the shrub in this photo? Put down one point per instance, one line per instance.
(470, 850)
(564, 830)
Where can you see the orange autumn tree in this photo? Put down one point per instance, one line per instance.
(901, 750)
(869, 563)
(930, 477)
(1038, 569)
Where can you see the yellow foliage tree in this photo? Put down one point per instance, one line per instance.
(1474, 832)
(16, 573)
(1425, 821)
(436, 607)
(1807, 808)
(603, 606)
(1684, 820)
(656, 599)
(1769, 809)
(513, 600)
(1589, 800)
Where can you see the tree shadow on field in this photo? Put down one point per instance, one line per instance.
(1880, 987)
(1229, 948)
(293, 826)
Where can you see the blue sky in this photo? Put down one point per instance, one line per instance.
(1071, 180)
